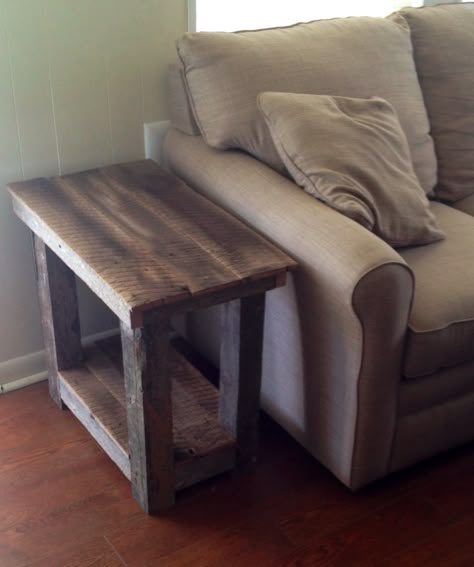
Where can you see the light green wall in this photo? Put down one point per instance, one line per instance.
(78, 78)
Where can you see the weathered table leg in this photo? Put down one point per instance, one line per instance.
(240, 373)
(149, 414)
(59, 315)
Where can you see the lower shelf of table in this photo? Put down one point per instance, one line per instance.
(95, 394)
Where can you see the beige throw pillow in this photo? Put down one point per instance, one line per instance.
(354, 57)
(353, 155)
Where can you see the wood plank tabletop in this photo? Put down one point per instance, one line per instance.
(140, 237)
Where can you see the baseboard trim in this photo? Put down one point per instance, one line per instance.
(23, 382)
(29, 369)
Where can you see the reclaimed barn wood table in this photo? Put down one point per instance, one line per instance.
(151, 247)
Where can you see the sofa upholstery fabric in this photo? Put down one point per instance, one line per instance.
(352, 57)
(352, 154)
(416, 396)
(443, 44)
(441, 324)
(436, 429)
(466, 205)
(182, 116)
(317, 377)
(355, 367)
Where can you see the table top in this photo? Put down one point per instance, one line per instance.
(140, 237)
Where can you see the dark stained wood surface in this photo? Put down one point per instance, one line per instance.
(140, 237)
(65, 504)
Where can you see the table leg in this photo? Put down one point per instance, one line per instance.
(59, 315)
(240, 372)
(149, 414)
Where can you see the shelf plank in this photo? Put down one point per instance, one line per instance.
(95, 394)
(99, 412)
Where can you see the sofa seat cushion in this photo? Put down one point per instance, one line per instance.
(352, 154)
(441, 324)
(443, 46)
(351, 57)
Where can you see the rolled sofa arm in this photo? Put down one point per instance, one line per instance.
(353, 293)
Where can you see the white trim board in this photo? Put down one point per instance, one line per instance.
(154, 134)
(22, 367)
(31, 368)
(191, 15)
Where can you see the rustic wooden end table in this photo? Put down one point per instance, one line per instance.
(151, 247)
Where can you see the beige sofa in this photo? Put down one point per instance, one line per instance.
(369, 351)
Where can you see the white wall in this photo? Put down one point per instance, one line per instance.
(78, 78)
(213, 15)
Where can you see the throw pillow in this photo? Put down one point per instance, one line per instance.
(353, 155)
(354, 57)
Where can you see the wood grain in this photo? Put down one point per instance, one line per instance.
(59, 315)
(64, 503)
(240, 372)
(100, 413)
(145, 243)
(95, 393)
(140, 237)
(149, 414)
(451, 546)
(196, 430)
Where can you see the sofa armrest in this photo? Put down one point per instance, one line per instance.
(354, 294)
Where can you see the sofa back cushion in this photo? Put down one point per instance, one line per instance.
(181, 113)
(443, 44)
(351, 57)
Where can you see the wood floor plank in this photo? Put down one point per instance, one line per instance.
(250, 543)
(400, 524)
(61, 496)
(96, 553)
(67, 527)
(21, 447)
(371, 539)
(64, 493)
(451, 546)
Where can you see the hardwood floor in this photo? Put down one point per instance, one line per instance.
(64, 503)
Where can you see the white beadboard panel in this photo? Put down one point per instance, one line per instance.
(77, 37)
(125, 107)
(163, 23)
(124, 58)
(77, 82)
(25, 30)
(19, 312)
(10, 154)
(19, 323)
